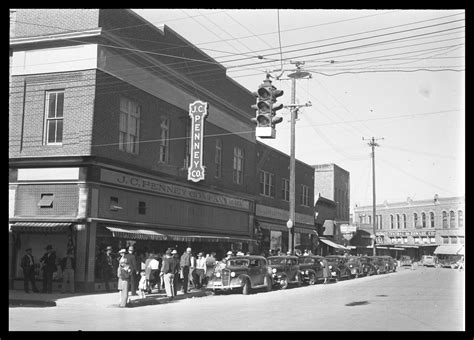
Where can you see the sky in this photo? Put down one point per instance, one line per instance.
(395, 75)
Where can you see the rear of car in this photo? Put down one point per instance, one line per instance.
(428, 261)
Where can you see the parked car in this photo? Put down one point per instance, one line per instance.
(448, 261)
(405, 260)
(368, 267)
(311, 269)
(429, 260)
(390, 263)
(379, 264)
(339, 262)
(242, 273)
(355, 266)
(285, 270)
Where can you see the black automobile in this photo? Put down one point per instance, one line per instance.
(312, 269)
(356, 266)
(379, 264)
(242, 273)
(368, 267)
(390, 263)
(338, 266)
(285, 270)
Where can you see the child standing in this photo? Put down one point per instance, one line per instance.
(142, 285)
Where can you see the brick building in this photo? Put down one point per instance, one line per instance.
(99, 142)
(413, 228)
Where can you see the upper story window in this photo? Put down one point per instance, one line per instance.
(432, 220)
(141, 208)
(398, 221)
(391, 221)
(267, 184)
(423, 220)
(304, 195)
(380, 222)
(238, 168)
(370, 219)
(285, 190)
(129, 125)
(415, 220)
(445, 219)
(54, 107)
(460, 219)
(404, 221)
(164, 140)
(218, 158)
(452, 220)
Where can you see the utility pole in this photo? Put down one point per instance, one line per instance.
(373, 144)
(294, 112)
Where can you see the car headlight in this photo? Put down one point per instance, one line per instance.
(322, 263)
(350, 265)
(218, 274)
(274, 270)
(302, 272)
(232, 274)
(330, 267)
(307, 272)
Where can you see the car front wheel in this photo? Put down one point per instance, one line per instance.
(246, 287)
(283, 283)
(311, 279)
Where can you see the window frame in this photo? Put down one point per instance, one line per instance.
(304, 197)
(285, 189)
(218, 158)
(268, 183)
(56, 118)
(142, 208)
(238, 166)
(129, 133)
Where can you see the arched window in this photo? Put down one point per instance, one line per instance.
(423, 220)
(452, 220)
(391, 221)
(370, 219)
(432, 222)
(398, 221)
(445, 219)
(460, 219)
(404, 221)
(415, 220)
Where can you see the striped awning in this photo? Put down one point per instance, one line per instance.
(333, 244)
(40, 227)
(159, 235)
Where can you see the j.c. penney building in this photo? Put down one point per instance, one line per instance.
(100, 146)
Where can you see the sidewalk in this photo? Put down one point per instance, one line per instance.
(18, 298)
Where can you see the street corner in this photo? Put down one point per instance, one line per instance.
(156, 299)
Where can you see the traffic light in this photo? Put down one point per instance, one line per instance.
(266, 117)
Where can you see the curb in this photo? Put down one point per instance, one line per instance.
(27, 303)
(164, 300)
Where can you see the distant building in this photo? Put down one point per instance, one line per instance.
(412, 228)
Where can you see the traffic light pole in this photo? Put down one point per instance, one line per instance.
(291, 231)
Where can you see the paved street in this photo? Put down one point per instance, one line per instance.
(425, 299)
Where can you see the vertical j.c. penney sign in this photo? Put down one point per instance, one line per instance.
(197, 112)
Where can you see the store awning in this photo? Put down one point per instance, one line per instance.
(159, 235)
(461, 250)
(448, 249)
(389, 248)
(333, 244)
(40, 227)
(280, 227)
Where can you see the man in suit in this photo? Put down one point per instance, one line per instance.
(28, 266)
(108, 265)
(132, 262)
(49, 267)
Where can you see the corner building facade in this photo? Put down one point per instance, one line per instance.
(99, 142)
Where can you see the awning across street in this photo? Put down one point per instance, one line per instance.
(40, 227)
(449, 249)
(158, 235)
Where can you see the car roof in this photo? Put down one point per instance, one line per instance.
(283, 256)
(247, 257)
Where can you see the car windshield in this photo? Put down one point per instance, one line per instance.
(352, 259)
(238, 263)
(332, 259)
(277, 260)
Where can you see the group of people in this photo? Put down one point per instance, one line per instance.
(50, 264)
(170, 271)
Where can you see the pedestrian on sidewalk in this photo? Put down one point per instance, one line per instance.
(49, 267)
(124, 273)
(168, 270)
(68, 265)
(132, 262)
(200, 271)
(210, 264)
(185, 264)
(176, 278)
(142, 285)
(108, 265)
(28, 266)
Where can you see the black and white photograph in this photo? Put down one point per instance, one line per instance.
(237, 170)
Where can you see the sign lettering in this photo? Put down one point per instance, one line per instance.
(197, 112)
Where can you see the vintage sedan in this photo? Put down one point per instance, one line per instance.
(312, 269)
(368, 268)
(378, 263)
(405, 260)
(242, 273)
(429, 261)
(285, 270)
(356, 266)
(390, 263)
(338, 266)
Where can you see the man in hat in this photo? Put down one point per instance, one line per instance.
(49, 267)
(132, 262)
(108, 267)
(168, 269)
(28, 266)
(185, 264)
(175, 255)
(200, 270)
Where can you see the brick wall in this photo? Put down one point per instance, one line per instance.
(27, 114)
(64, 203)
(43, 21)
